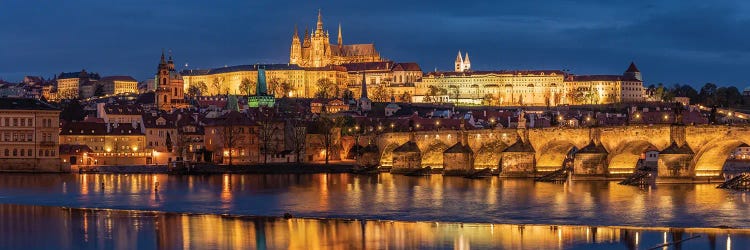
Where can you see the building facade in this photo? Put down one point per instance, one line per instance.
(110, 143)
(116, 85)
(69, 85)
(527, 87)
(29, 130)
(282, 79)
(316, 50)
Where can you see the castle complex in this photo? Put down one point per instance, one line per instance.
(316, 50)
(313, 59)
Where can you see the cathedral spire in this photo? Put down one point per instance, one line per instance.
(296, 33)
(364, 87)
(306, 41)
(319, 30)
(467, 62)
(162, 58)
(340, 40)
(459, 64)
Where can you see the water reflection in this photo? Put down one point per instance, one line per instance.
(66, 228)
(388, 197)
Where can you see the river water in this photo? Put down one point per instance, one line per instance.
(425, 201)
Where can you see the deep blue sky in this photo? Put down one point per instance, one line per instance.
(671, 41)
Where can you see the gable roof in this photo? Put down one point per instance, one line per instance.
(520, 146)
(673, 149)
(458, 148)
(592, 148)
(408, 146)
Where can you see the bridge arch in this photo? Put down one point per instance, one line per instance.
(488, 154)
(432, 155)
(552, 155)
(623, 159)
(386, 157)
(710, 160)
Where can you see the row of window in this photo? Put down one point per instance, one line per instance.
(18, 136)
(16, 152)
(24, 122)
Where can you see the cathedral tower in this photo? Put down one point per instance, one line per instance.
(467, 63)
(459, 63)
(340, 41)
(295, 54)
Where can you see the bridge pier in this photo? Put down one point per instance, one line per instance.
(458, 160)
(518, 160)
(590, 163)
(406, 158)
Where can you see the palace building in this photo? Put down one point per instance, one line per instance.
(526, 87)
(316, 50)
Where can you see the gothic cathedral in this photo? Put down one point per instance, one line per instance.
(316, 50)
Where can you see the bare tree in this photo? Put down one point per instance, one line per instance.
(266, 134)
(329, 128)
(216, 85)
(326, 89)
(247, 87)
(231, 135)
(380, 93)
(297, 135)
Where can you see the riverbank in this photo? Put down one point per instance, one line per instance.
(275, 168)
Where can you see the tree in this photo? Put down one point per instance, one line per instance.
(380, 93)
(297, 131)
(247, 87)
(72, 111)
(326, 89)
(99, 91)
(406, 97)
(193, 91)
(285, 88)
(329, 127)
(454, 93)
(216, 85)
(347, 95)
(707, 95)
(266, 134)
(487, 100)
(168, 142)
(230, 136)
(733, 97)
(202, 88)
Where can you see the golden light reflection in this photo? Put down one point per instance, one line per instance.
(226, 191)
(183, 231)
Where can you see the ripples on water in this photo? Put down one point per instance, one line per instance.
(37, 227)
(388, 197)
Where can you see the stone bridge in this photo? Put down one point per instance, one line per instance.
(685, 151)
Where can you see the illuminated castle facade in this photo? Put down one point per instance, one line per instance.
(316, 50)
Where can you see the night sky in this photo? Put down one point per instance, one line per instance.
(685, 41)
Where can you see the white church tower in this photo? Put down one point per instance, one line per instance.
(462, 64)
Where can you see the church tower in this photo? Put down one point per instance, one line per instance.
(295, 54)
(459, 63)
(365, 105)
(340, 40)
(169, 85)
(467, 63)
